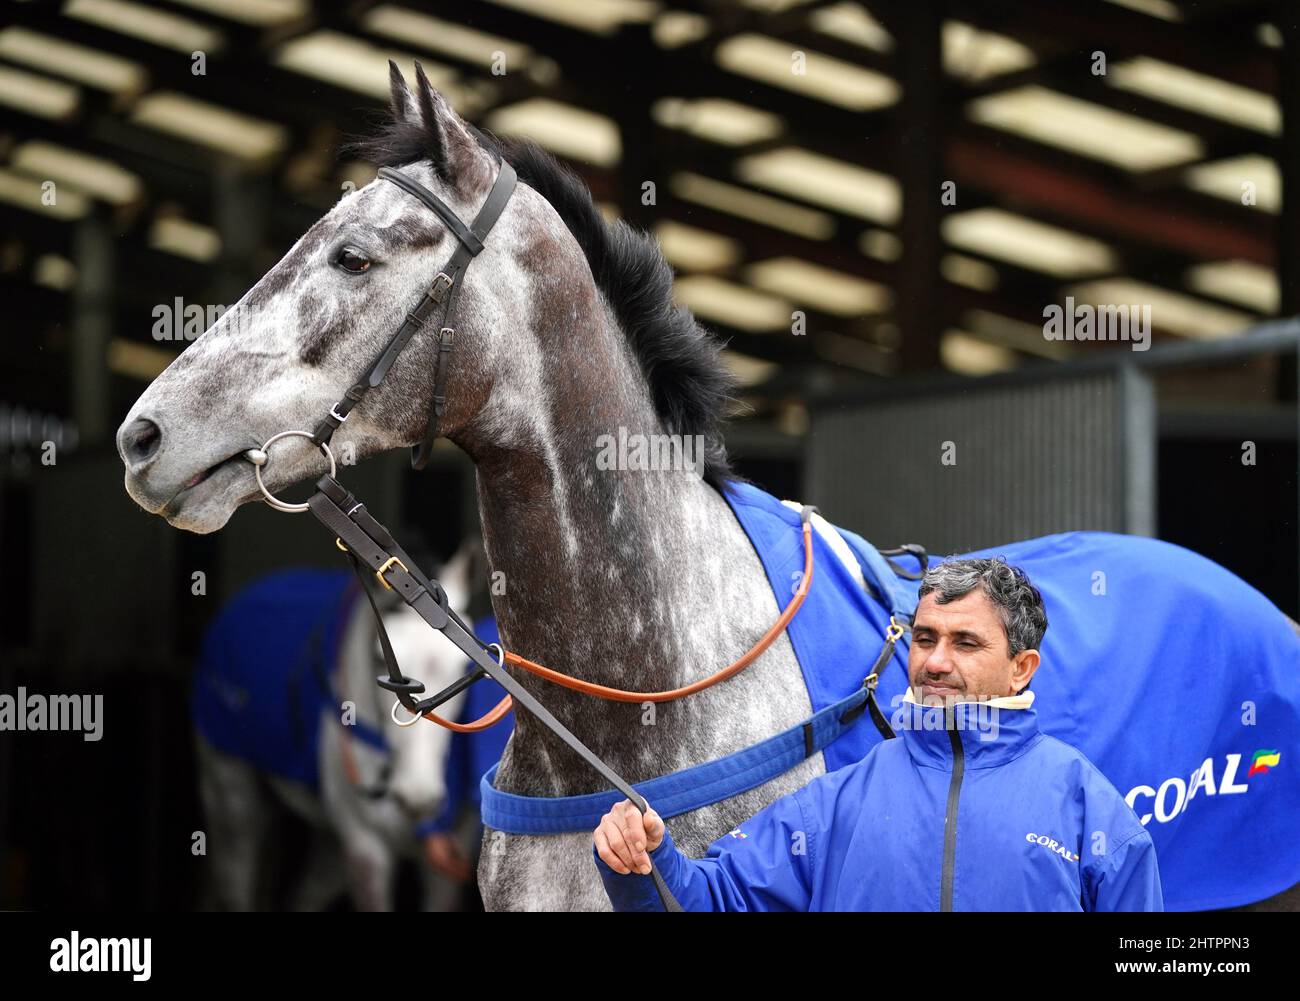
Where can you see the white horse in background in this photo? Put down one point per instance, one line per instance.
(363, 816)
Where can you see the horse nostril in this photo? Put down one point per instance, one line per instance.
(139, 441)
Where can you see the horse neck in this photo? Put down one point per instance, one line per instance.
(640, 580)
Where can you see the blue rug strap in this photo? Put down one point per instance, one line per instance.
(894, 594)
(893, 633)
(681, 792)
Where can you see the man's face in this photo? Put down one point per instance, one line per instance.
(959, 652)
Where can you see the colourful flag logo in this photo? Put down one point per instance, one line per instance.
(1262, 761)
(738, 833)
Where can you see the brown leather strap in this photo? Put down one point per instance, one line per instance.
(620, 695)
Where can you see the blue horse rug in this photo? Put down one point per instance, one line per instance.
(263, 676)
(264, 679)
(1173, 676)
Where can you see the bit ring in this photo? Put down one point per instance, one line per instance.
(261, 460)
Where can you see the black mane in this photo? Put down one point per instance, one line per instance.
(689, 385)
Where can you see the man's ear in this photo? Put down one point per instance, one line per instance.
(1023, 667)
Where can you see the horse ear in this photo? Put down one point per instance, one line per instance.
(456, 156)
(401, 99)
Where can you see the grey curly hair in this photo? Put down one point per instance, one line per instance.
(1019, 603)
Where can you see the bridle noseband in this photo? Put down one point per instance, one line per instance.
(441, 291)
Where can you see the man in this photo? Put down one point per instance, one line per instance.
(971, 808)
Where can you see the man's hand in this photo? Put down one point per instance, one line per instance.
(625, 838)
(442, 853)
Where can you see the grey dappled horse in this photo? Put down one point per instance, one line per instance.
(566, 332)
(362, 817)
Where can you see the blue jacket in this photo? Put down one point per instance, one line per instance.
(1038, 828)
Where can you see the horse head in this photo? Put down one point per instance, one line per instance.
(280, 358)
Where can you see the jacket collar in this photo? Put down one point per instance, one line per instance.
(991, 733)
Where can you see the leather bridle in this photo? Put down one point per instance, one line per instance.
(441, 291)
(375, 555)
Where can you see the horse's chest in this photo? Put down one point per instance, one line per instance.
(528, 873)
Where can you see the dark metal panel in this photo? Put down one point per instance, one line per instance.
(92, 326)
(1031, 459)
(105, 586)
(1139, 422)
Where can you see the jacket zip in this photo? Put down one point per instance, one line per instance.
(950, 817)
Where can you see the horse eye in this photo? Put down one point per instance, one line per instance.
(351, 259)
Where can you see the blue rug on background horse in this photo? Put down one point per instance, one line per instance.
(1176, 678)
(263, 676)
(263, 680)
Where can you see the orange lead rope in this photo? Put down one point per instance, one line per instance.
(618, 694)
(490, 718)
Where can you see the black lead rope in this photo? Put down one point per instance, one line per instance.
(369, 545)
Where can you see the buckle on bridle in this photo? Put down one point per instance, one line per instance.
(440, 286)
(379, 574)
(446, 336)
